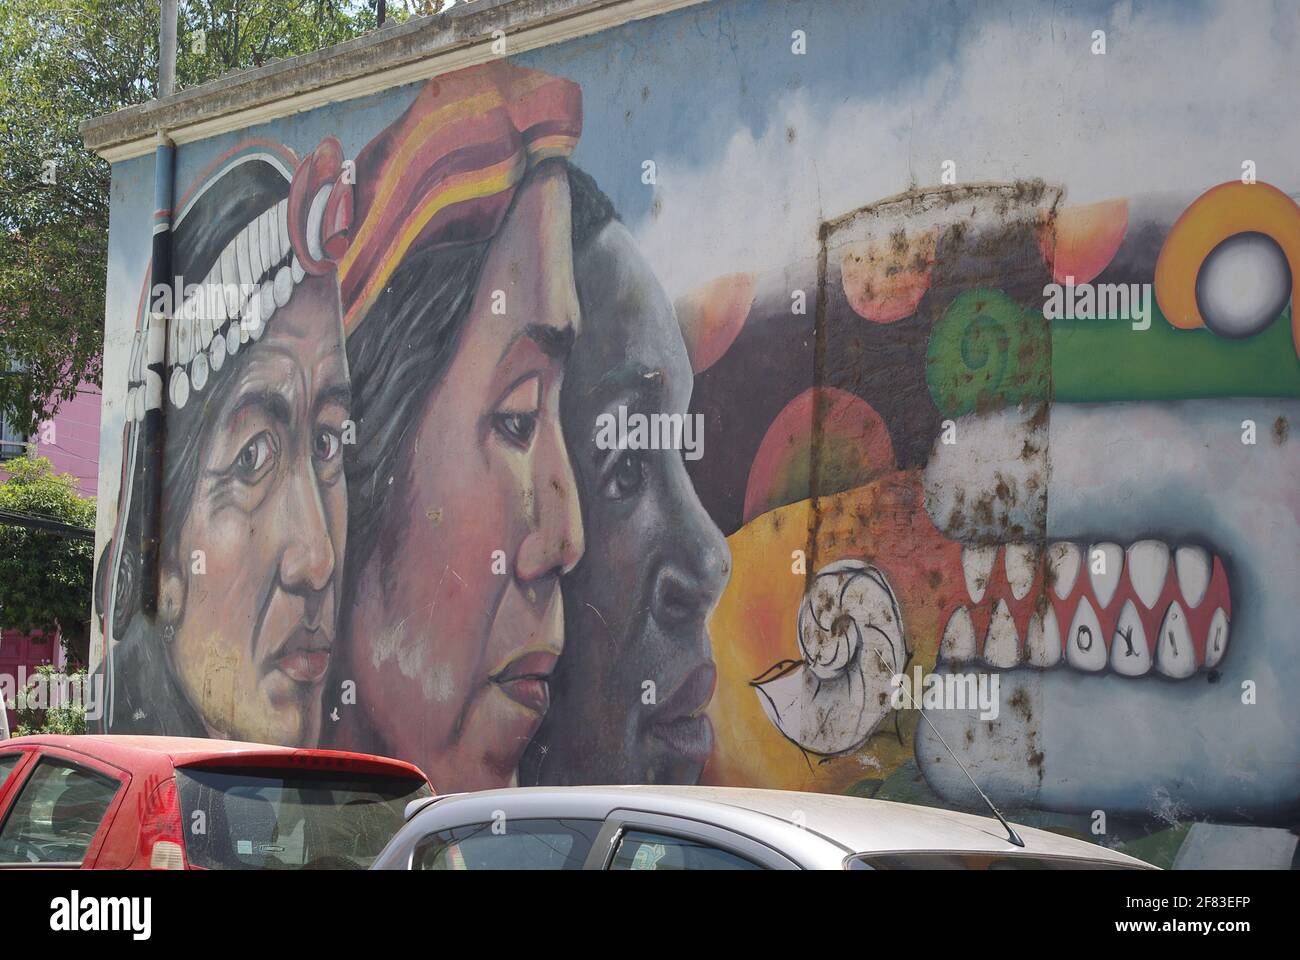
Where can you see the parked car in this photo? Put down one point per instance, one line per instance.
(715, 828)
(173, 803)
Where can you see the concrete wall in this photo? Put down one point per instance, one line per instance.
(969, 334)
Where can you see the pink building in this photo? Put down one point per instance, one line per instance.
(70, 440)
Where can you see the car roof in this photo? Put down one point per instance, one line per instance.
(856, 824)
(184, 751)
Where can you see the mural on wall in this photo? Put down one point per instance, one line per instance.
(465, 464)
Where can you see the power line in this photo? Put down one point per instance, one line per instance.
(11, 518)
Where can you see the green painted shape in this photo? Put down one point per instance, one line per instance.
(986, 352)
(1104, 360)
(1160, 848)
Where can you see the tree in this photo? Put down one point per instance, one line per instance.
(45, 578)
(39, 713)
(65, 61)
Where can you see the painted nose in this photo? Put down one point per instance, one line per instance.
(697, 564)
(307, 563)
(555, 545)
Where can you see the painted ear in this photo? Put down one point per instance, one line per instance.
(320, 208)
(171, 595)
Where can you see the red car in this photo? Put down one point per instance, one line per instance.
(175, 803)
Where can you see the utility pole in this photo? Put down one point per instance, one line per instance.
(167, 50)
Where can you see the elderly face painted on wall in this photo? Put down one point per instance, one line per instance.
(254, 633)
(637, 671)
(254, 497)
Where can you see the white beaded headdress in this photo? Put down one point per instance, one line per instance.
(253, 275)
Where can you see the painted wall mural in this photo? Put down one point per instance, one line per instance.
(539, 426)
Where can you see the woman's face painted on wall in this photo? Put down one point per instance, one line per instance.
(656, 563)
(459, 619)
(255, 629)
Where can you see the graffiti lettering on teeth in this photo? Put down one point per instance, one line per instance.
(851, 637)
(1126, 610)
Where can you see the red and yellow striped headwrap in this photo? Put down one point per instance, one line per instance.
(445, 171)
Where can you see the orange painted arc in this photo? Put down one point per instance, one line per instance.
(1222, 212)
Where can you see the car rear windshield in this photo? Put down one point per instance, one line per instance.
(290, 820)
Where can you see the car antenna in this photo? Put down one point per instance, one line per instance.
(1011, 833)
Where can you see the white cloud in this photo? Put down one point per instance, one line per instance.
(1170, 106)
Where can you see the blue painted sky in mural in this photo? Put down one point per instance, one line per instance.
(650, 106)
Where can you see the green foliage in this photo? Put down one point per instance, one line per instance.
(217, 36)
(66, 718)
(45, 579)
(63, 62)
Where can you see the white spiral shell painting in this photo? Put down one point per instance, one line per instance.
(851, 640)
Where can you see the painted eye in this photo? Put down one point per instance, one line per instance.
(516, 428)
(626, 477)
(515, 417)
(254, 456)
(326, 446)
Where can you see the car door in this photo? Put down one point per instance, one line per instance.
(633, 840)
(59, 806)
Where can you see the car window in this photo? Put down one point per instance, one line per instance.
(7, 762)
(291, 820)
(55, 817)
(508, 845)
(640, 850)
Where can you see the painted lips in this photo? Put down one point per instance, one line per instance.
(305, 656)
(680, 722)
(527, 680)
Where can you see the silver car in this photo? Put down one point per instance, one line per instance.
(715, 828)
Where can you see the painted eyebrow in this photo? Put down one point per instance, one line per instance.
(340, 393)
(274, 402)
(555, 342)
(632, 377)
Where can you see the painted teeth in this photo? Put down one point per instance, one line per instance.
(1109, 569)
(1002, 642)
(958, 643)
(1148, 565)
(1105, 564)
(1174, 654)
(1020, 560)
(1193, 565)
(1085, 648)
(1063, 562)
(1043, 639)
(1129, 655)
(977, 565)
(1216, 641)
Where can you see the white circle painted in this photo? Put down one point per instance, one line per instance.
(1243, 285)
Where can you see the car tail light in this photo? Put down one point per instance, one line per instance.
(161, 839)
